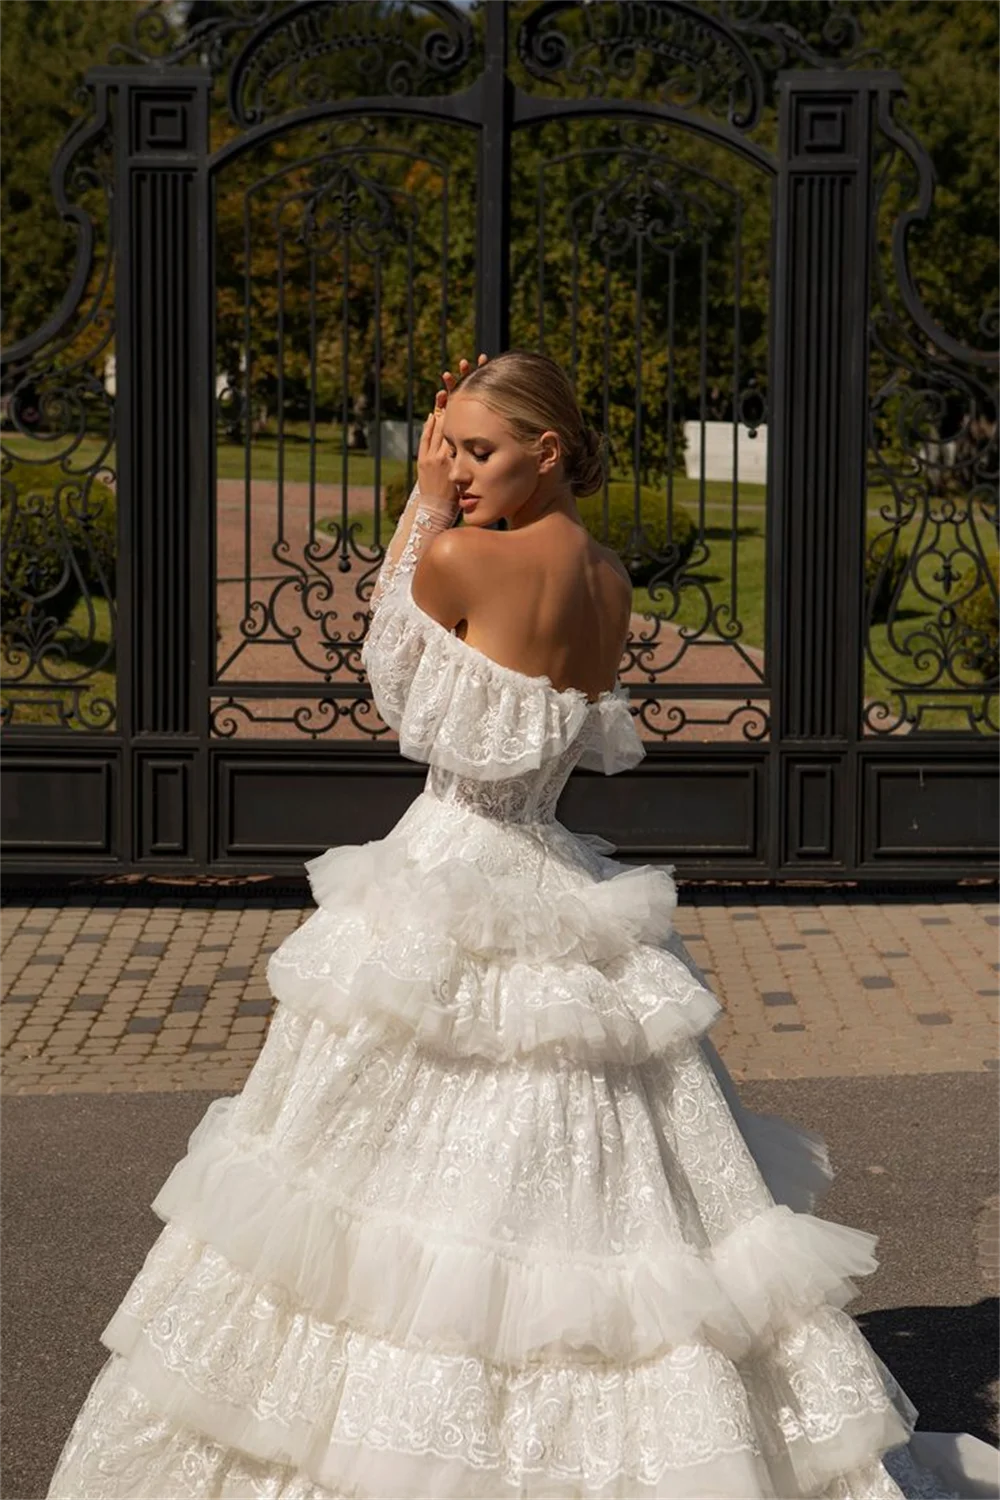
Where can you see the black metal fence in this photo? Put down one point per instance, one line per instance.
(291, 217)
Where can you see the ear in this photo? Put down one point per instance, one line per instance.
(549, 451)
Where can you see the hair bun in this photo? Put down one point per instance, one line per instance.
(588, 471)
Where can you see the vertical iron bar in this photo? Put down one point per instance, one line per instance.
(606, 409)
(493, 247)
(312, 392)
(409, 354)
(671, 327)
(637, 429)
(445, 251)
(541, 258)
(737, 362)
(702, 379)
(346, 398)
(247, 420)
(377, 429)
(280, 224)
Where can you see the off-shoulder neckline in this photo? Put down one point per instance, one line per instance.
(542, 680)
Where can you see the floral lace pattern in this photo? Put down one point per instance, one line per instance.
(236, 1358)
(122, 1445)
(460, 711)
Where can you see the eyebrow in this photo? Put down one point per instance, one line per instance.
(465, 441)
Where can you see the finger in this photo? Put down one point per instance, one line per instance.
(483, 358)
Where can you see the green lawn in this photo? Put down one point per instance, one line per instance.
(712, 575)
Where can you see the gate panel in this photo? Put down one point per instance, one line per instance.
(345, 254)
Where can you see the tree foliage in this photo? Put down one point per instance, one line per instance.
(332, 242)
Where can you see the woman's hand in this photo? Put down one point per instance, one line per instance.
(433, 457)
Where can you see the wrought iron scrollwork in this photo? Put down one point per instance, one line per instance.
(277, 70)
(641, 225)
(931, 610)
(272, 50)
(59, 548)
(345, 200)
(705, 54)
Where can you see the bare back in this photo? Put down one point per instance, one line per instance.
(549, 601)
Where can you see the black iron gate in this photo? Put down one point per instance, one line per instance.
(292, 216)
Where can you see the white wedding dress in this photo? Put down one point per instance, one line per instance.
(487, 1217)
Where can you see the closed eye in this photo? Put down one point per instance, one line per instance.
(479, 457)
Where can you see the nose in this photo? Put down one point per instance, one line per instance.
(458, 474)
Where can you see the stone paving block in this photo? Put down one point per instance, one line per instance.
(875, 986)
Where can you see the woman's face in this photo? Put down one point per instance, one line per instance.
(488, 464)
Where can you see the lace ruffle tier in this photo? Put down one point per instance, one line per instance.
(454, 707)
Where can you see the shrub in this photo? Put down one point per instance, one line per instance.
(655, 540)
(978, 618)
(49, 563)
(396, 496)
(881, 577)
(621, 513)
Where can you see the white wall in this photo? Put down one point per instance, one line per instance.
(751, 452)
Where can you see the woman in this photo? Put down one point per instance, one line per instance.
(487, 1217)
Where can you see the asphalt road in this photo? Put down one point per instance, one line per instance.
(916, 1160)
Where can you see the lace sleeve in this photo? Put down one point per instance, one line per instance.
(423, 516)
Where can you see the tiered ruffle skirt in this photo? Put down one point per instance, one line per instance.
(489, 1219)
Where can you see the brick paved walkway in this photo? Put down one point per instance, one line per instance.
(123, 993)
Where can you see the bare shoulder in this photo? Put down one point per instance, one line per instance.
(623, 578)
(617, 566)
(444, 578)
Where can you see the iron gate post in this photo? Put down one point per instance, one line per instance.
(162, 369)
(816, 482)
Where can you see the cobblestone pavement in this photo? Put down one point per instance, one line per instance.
(129, 991)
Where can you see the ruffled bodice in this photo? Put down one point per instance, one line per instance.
(496, 740)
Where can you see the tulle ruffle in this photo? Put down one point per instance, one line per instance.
(793, 1161)
(455, 1004)
(477, 960)
(414, 1284)
(491, 915)
(455, 707)
(243, 1364)
(118, 1422)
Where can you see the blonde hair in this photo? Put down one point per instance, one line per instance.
(534, 395)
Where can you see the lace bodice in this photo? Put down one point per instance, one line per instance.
(496, 740)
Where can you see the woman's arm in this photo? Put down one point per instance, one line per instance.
(428, 510)
(423, 516)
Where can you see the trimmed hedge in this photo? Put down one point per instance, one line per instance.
(621, 519)
(46, 566)
(979, 619)
(655, 540)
